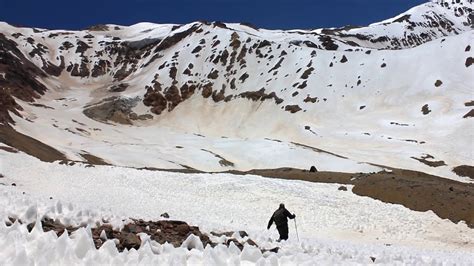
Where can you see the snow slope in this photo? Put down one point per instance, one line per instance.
(382, 90)
(335, 227)
(179, 96)
(423, 23)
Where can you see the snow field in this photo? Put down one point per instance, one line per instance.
(335, 227)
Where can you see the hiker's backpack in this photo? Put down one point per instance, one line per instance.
(279, 216)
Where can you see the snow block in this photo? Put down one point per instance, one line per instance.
(193, 242)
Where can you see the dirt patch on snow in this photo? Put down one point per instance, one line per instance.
(469, 114)
(464, 170)
(92, 159)
(222, 160)
(429, 160)
(317, 150)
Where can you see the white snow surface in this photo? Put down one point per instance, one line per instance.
(335, 227)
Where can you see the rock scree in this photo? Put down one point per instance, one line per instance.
(128, 237)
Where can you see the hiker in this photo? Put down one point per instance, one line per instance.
(280, 218)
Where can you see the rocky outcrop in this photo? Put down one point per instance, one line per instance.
(114, 109)
(261, 95)
(128, 237)
(18, 81)
(292, 108)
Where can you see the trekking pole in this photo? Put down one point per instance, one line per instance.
(296, 229)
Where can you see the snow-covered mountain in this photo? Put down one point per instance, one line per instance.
(355, 102)
(219, 96)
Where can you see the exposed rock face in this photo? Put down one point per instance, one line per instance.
(469, 61)
(100, 68)
(99, 27)
(156, 100)
(113, 109)
(260, 95)
(19, 79)
(292, 108)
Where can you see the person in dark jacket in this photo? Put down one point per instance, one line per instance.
(280, 217)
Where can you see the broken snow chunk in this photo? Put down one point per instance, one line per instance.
(250, 253)
(103, 235)
(193, 242)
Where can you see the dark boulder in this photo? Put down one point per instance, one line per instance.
(342, 188)
(130, 241)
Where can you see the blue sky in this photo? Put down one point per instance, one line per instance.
(275, 14)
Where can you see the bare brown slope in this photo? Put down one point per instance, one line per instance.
(29, 145)
(418, 191)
